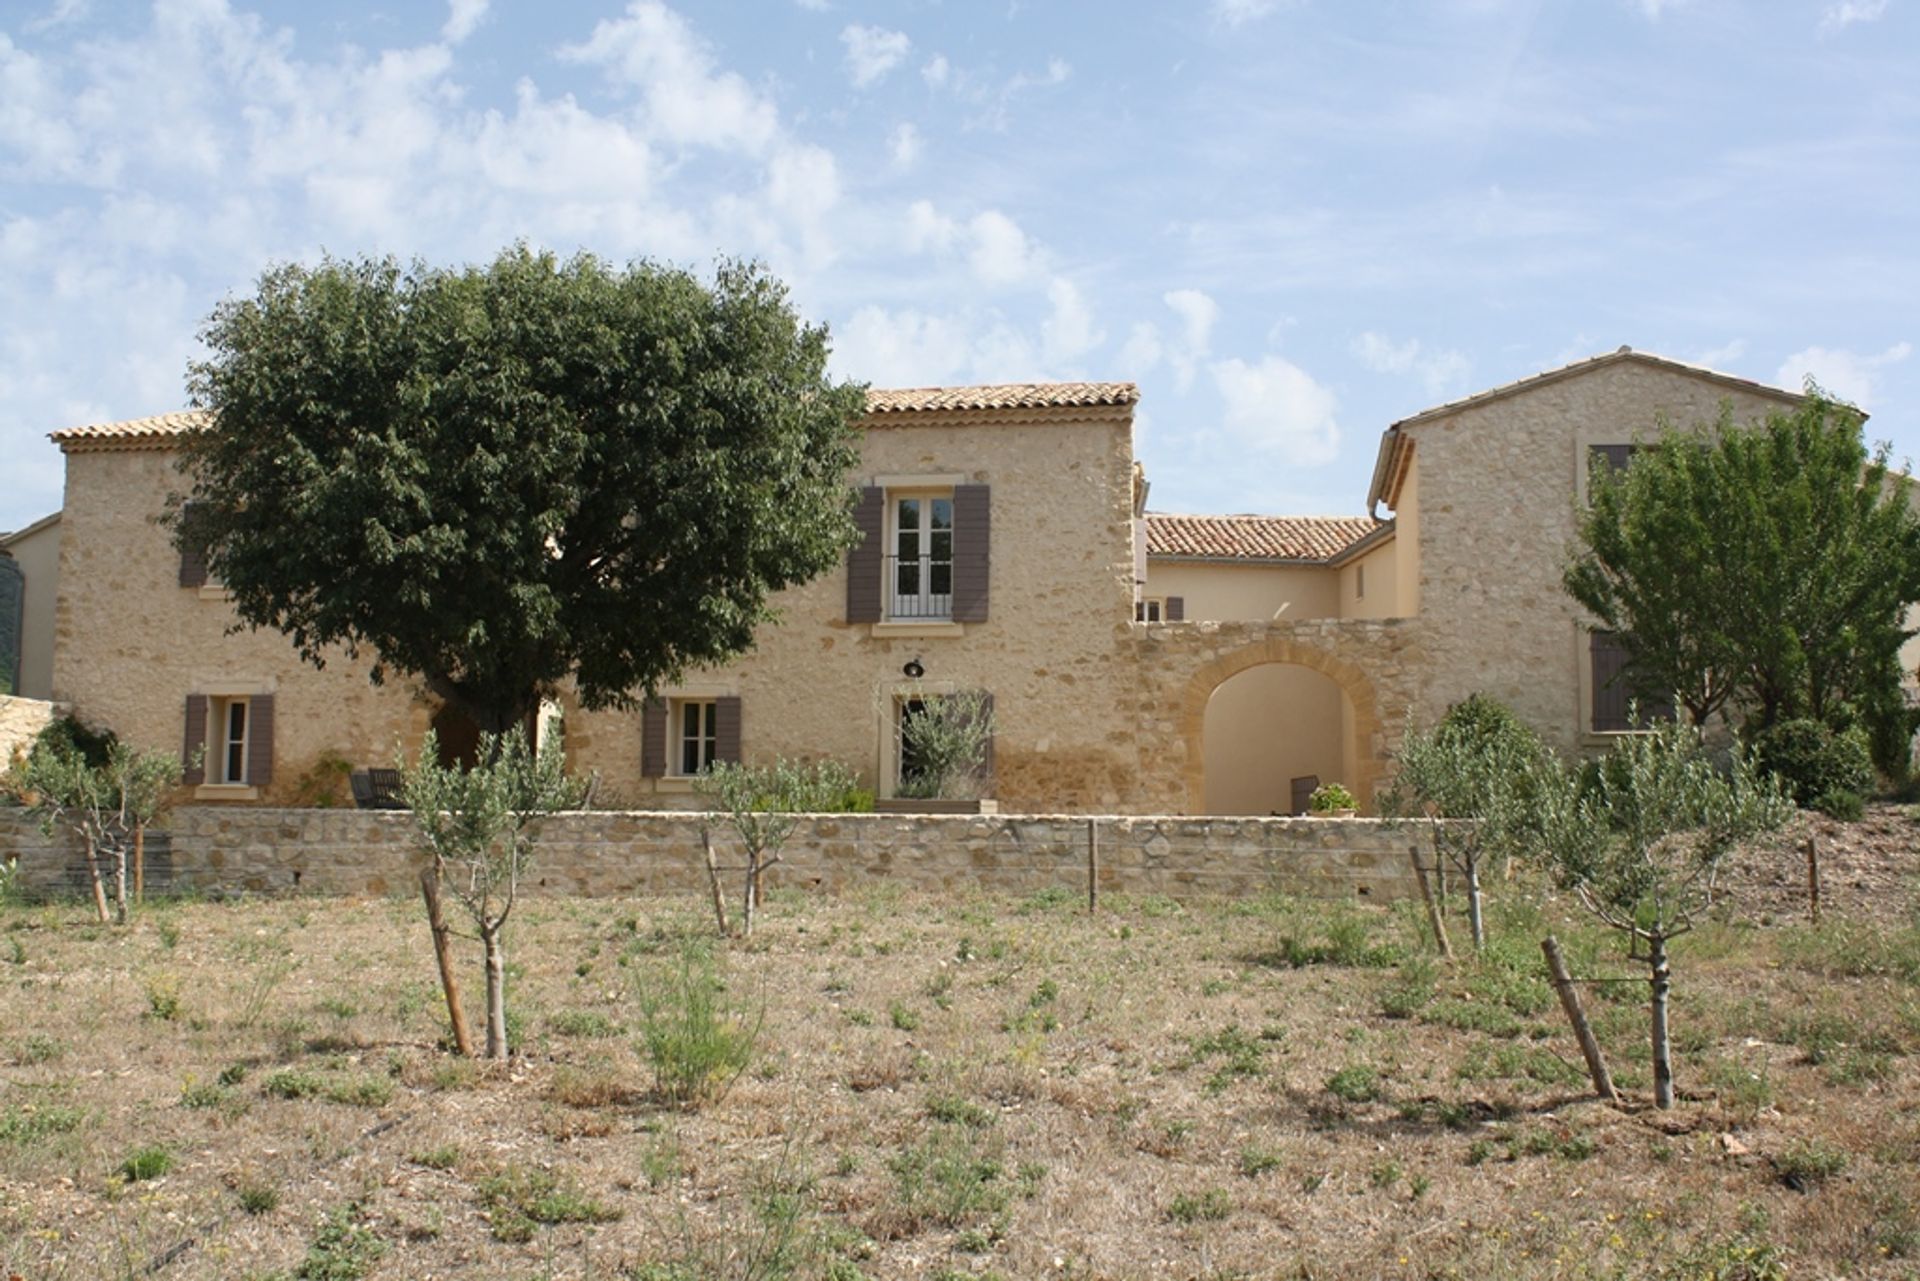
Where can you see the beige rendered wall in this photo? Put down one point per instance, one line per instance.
(131, 643)
(37, 553)
(1407, 539)
(1379, 571)
(1267, 726)
(1496, 501)
(1056, 651)
(1249, 591)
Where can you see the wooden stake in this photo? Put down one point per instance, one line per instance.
(1433, 908)
(1093, 865)
(713, 882)
(140, 863)
(1582, 1032)
(1813, 878)
(443, 955)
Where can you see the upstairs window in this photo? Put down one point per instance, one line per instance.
(920, 570)
(698, 733)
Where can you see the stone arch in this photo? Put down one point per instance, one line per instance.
(1351, 679)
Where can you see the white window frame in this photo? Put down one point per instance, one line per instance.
(1150, 609)
(928, 605)
(221, 746)
(706, 743)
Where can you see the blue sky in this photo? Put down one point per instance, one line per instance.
(1291, 221)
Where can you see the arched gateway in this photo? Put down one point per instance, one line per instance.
(1370, 661)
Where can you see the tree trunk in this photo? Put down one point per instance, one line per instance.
(93, 873)
(1662, 1046)
(443, 956)
(1474, 918)
(496, 991)
(748, 900)
(140, 863)
(120, 883)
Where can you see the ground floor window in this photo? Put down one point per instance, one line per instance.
(227, 748)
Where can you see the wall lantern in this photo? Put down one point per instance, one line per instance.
(914, 671)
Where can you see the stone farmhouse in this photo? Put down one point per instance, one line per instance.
(1138, 662)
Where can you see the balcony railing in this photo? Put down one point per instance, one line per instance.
(918, 587)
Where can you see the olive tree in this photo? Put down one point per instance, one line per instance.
(1471, 777)
(478, 826)
(763, 803)
(1639, 837)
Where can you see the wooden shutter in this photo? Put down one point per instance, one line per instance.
(863, 558)
(972, 551)
(1176, 610)
(260, 740)
(1300, 793)
(726, 729)
(1614, 688)
(193, 556)
(194, 753)
(653, 738)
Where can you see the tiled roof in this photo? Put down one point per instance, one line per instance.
(134, 432)
(1002, 396)
(162, 428)
(1310, 538)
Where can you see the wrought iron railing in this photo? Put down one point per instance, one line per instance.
(917, 587)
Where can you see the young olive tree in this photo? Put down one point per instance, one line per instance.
(1470, 777)
(763, 804)
(947, 738)
(478, 827)
(1639, 837)
(105, 793)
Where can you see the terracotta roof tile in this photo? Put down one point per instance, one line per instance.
(1001, 396)
(1311, 538)
(133, 432)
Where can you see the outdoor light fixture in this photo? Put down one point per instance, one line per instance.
(913, 669)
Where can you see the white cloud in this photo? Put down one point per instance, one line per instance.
(1440, 371)
(937, 71)
(462, 17)
(1001, 253)
(1277, 407)
(1845, 13)
(1654, 8)
(1721, 357)
(911, 348)
(1235, 12)
(1069, 331)
(653, 51)
(1140, 353)
(1845, 374)
(814, 6)
(929, 230)
(872, 52)
(1198, 314)
(904, 144)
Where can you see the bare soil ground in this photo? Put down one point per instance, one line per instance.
(991, 1087)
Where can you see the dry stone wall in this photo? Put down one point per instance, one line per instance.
(359, 852)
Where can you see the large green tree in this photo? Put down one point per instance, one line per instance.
(1764, 569)
(495, 478)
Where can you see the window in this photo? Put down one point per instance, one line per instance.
(920, 570)
(696, 731)
(227, 746)
(1150, 609)
(1614, 693)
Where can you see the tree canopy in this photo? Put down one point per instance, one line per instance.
(495, 478)
(1764, 570)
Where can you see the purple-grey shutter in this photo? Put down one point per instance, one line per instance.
(863, 558)
(1609, 690)
(1176, 610)
(653, 739)
(193, 556)
(972, 551)
(260, 740)
(726, 729)
(194, 754)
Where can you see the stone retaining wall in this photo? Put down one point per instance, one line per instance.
(596, 853)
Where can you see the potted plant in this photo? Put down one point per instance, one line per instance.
(949, 740)
(1331, 800)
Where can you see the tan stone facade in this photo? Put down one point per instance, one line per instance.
(1226, 711)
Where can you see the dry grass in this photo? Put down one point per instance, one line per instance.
(988, 1087)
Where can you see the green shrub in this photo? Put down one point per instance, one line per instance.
(1356, 1083)
(696, 1035)
(1329, 797)
(344, 1249)
(1203, 1207)
(147, 1163)
(1819, 767)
